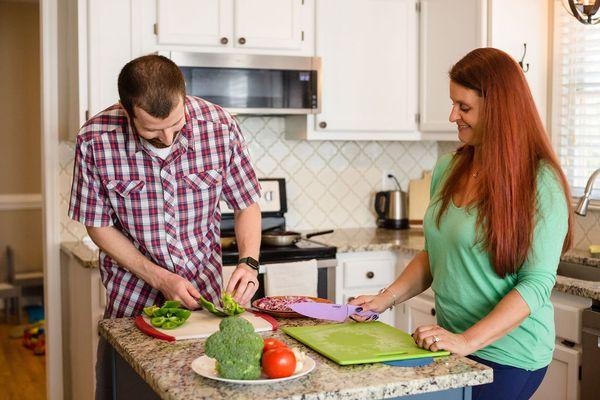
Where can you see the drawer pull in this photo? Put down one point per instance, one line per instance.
(432, 312)
(224, 40)
(370, 275)
(242, 40)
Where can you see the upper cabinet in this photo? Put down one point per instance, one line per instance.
(369, 65)
(236, 26)
(449, 30)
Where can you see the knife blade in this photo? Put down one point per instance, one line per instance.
(331, 312)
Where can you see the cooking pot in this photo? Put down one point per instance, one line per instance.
(287, 238)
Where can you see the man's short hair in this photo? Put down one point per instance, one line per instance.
(153, 83)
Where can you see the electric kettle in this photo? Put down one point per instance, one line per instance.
(392, 208)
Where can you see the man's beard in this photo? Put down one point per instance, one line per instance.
(160, 145)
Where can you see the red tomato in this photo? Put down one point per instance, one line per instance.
(272, 343)
(279, 362)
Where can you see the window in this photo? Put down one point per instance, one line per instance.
(576, 98)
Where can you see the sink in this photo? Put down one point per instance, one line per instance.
(579, 271)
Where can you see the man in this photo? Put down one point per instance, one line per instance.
(149, 173)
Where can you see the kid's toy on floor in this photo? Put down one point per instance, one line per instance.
(34, 338)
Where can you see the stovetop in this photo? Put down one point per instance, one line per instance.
(304, 249)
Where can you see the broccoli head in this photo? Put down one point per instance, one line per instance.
(237, 349)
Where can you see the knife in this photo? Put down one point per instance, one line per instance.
(331, 312)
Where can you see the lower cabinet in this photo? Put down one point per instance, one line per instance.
(361, 273)
(562, 378)
(419, 311)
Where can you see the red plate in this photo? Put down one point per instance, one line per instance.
(277, 305)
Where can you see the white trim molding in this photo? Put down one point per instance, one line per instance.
(14, 202)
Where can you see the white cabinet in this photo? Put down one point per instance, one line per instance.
(420, 310)
(365, 273)
(369, 65)
(562, 378)
(228, 26)
(449, 30)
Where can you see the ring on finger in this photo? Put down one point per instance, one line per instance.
(436, 339)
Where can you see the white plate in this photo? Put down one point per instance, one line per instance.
(205, 366)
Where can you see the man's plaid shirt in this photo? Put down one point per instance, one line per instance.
(169, 209)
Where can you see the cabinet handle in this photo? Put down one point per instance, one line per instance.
(322, 124)
(370, 274)
(224, 40)
(351, 298)
(242, 40)
(432, 312)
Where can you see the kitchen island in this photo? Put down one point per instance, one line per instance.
(164, 367)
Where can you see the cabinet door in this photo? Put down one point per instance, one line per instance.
(368, 64)
(448, 31)
(514, 23)
(420, 310)
(109, 48)
(562, 378)
(194, 22)
(274, 24)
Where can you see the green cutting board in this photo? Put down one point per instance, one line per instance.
(360, 342)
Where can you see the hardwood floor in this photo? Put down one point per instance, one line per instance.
(22, 374)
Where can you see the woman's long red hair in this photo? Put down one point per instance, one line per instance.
(513, 143)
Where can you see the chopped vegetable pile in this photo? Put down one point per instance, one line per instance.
(230, 306)
(237, 349)
(169, 316)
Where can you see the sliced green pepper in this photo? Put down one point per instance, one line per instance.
(170, 325)
(211, 308)
(182, 313)
(157, 321)
(172, 304)
(149, 311)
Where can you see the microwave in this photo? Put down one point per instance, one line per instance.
(252, 84)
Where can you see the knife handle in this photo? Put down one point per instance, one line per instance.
(369, 314)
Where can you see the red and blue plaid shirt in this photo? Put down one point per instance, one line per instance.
(169, 209)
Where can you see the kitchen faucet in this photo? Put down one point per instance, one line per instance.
(584, 202)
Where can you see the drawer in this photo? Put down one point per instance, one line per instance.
(567, 315)
(366, 273)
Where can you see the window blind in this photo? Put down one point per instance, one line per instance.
(576, 92)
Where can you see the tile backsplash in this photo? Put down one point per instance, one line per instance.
(330, 184)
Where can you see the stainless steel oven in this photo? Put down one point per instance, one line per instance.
(253, 84)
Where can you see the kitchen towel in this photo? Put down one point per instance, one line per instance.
(291, 279)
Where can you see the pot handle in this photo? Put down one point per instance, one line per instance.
(381, 211)
(308, 236)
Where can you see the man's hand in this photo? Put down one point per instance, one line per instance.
(175, 287)
(243, 284)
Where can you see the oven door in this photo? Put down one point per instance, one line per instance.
(325, 279)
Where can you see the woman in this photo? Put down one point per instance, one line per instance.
(496, 226)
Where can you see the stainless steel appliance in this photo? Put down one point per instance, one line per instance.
(274, 206)
(392, 209)
(253, 84)
(590, 365)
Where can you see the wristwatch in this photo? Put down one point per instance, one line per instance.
(251, 262)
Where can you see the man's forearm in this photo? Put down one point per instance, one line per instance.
(120, 249)
(248, 231)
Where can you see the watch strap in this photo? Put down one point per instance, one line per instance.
(251, 262)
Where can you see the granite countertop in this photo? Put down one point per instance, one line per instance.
(375, 239)
(165, 366)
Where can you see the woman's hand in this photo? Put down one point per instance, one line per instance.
(376, 303)
(435, 338)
